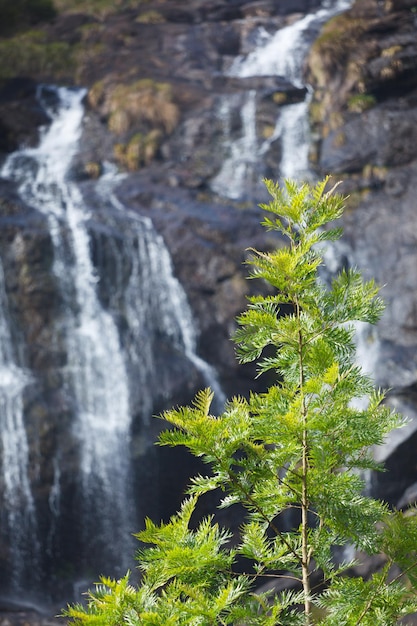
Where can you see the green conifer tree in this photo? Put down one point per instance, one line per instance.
(302, 447)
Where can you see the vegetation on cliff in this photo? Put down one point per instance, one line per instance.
(140, 113)
(360, 58)
(61, 41)
(29, 47)
(22, 14)
(30, 53)
(294, 457)
(97, 8)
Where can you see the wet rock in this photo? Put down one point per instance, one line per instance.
(373, 151)
(395, 5)
(265, 85)
(409, 497)
(360, 142)
(20, 114)
(28, 618)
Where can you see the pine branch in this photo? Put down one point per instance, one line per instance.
(373, 595)
(247, 496)
(301, 445)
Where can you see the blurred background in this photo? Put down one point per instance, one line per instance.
(134, 137)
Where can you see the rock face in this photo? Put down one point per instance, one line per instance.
(21, 114)
(364, 115)
(161, 105)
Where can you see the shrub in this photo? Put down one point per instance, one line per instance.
(335, 42)
(140, 150)
(150, 17)
(300, 448)
(31, 55)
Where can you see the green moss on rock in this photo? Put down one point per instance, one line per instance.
(332, 48)
(96, 8)
(30, 54)
(358, 103)
(150, 17)
(140, 150)
(146, 101)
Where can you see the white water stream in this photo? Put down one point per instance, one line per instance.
(154, 300)
(96, 375)
(239, 166)
(18, 513)
(281, 54)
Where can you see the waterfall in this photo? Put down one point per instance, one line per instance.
(283, 55)
(154, 300)
(293, 131)
(111, 370)
(96, 376)
(18, 515)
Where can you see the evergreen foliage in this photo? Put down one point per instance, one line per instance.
(302, 447)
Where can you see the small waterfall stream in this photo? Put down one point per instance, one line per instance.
(293, 130)
(238, 168)
(283, 54)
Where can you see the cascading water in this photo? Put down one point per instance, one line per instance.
(108, 375)
(18, 513)
(293, 131)
(154, 297)
(283, 54)
(239, 165)
(280, 55)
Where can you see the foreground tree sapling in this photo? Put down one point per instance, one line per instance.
(302, 447)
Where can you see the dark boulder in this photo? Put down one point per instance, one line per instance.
(20, 114)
